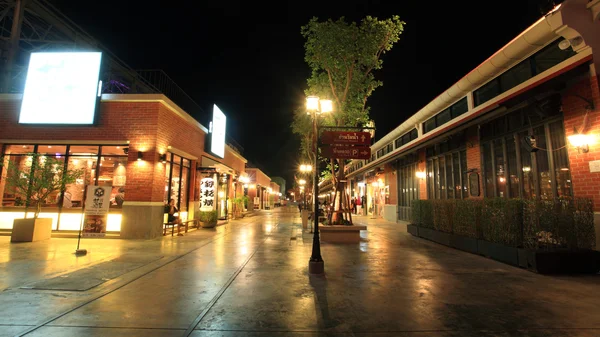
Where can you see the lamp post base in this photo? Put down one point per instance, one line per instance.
(316, 267)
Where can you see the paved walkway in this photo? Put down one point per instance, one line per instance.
(249, 278)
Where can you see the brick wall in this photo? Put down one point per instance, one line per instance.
(585, 183)
(474, 157)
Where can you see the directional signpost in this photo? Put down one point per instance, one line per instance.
(346, 144)
(346, 152)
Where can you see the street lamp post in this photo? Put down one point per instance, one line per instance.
(314, 107)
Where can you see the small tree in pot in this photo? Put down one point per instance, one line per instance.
(208, 219)
(35, 181)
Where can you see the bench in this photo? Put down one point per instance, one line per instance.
(184, 223)
(341, 233)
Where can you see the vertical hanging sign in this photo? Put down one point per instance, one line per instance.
(207, 194)
(97, 202)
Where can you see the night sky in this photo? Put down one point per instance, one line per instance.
(248, 56)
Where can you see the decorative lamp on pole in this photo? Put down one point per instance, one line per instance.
(315, 107)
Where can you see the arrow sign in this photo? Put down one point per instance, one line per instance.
(346, 152)
(346, 138)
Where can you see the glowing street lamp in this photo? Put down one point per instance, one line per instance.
(315, 107)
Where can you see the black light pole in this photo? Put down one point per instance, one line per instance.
(316, 265)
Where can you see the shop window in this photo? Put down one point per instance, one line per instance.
(113, 172)
(443, 117)
(83, 150)
(459, 108)
(13, 197)
(464, 174)
(516, 75)
(19, 149)
(177, 172)
(560, 159)
(53, 150)
(550, 56)
(540, 172)
(74, 193)
(114, 150)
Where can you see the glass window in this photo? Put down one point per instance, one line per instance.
(429, 125)
(441, 178)
(430, 180)
(561, 159)
(511, 159)
(85, 150)
(543, 166)
(19, 149)
(443, 117)
(526, 167)
(500, 168)
(456, 175)
(464, 168)
(486, 92)
(57, 150)
(74, 193)
(488, 170)
(175, 178)
(551, 56)
(115, 150)
(459, 108)
(167, 179)
(449, 182)
(12, 196)
(414, 134)
(516, 75)
(183, 198)
(113, 172)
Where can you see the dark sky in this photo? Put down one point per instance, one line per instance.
(248, 56)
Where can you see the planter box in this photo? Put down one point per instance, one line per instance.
(30, 230)
(413, 229)
(498, 252)
(341, 233)
(560, 261)
(435, 236)
(463, 243)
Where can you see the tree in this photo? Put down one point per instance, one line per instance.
(343, 58)
(37, 177)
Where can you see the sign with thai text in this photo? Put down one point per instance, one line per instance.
(97, 203)
(345, 137)
(346, 152)
(207, 194)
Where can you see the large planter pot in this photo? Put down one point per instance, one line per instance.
(208, 224)
(434, 235)
(30, 230)
(560, 261)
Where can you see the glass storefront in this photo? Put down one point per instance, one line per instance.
(525, 155)
(177, 176)
(446, 169)
(101, 165)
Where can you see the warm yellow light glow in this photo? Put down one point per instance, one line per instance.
(420, 174)
(305, 168)
(312, 103)
(580, 140)
(221, 194)
(252, 186)
(326, 106)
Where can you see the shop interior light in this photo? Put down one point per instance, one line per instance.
(421, 174)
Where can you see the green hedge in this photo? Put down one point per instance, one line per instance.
(537, 224)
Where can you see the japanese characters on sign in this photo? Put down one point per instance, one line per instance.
(97, 202)
(207, 194)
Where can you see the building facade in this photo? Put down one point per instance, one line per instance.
(143, 145)
(523, 124)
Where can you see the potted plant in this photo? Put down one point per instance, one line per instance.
(208, 219)
(34, 180)
(238, 207)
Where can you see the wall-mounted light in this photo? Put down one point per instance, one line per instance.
(420, 174)
(163, 158)
(580, 142)
(140, 155)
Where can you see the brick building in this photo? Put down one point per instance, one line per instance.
(504, 130)
(143, 145)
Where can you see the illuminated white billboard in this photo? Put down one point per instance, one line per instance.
(217, 129)
(61, 88)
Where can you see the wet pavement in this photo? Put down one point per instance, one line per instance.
(249, 278)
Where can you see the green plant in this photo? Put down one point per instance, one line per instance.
(208, 216)
(502, 221)
(443, 215)
(36, 177)
(422, 213)
(467, 218)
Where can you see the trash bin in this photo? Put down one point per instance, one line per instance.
(304, 215)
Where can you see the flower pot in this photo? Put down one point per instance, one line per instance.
(208, 224)
(30, 230)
